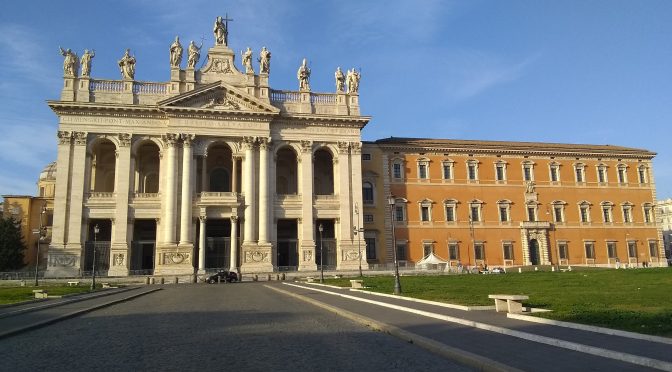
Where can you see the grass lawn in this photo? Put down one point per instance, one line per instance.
(631, 300)
(10, 295)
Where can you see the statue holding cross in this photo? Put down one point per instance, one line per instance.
(221, 30)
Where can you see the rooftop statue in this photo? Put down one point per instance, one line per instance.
(194, 54)
(127, 65)
(176, 53)
(86, 62)
(340, 80)
(220, 29)
(69, 63)
(353, 78)
(247, 61)
(264, 61)
(304, 75)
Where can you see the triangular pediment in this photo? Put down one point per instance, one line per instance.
(219, 96)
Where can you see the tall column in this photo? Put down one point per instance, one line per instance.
(248, 180)
(234, 243)
(204, 173)
(185, 221)
(234, 174)
(170, 198)
(201, 245)
(263, 191)
(307, 245)
(119, 253)
(77, 191)
(356, 173)
(61, 191)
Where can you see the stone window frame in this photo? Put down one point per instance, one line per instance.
(653, 247)
(558, 205)
(504, 203)
(368, 218)
(452, 203)
(453, 247)
(479, 245)
(508, 244)
(401, 162)
(478, 204)
(403, 252)
(607, 212)
(400, 203)
(643, 174)
(368, 235)
(627, 213)
(563, 249)
(611, 254)
(622, 174)
(366, 156)
(501, 164)
(450, 165)
(601, 171)
(373, 192)
(534, 207)
(472, 163)
(648, 213)
(423, 162)
(422, 204)
(427, 243)
(554, 165)
(580, 172)
(527, 164)
(589, 249)
(631, 247)
(584, 219)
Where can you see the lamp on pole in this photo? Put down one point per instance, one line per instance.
(41, 234)
(358, 230)
(397, 284)
(320, 229)
(96, 230)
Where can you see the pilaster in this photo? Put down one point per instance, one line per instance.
(185, 222)
(234, 244)
(307, 244)
(170, 198)
(69, 87)
(83, 89)
(119, 250)
(201, 245)
(77, 178)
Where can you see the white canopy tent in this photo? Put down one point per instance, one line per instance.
(431, 259)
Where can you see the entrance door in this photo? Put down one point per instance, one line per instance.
(287, 249)
(218, 244)
(142, 257)
(325, 247)
(534, 252)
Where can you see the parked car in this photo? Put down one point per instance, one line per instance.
(222, 276)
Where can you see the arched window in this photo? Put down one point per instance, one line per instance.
(367, 192)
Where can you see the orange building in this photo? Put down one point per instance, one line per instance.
(510, 203)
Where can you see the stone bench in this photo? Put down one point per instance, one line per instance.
(310, 279)
(357, 283)
(510, 303)
(73, 283)
(106, 285)
(40, 293)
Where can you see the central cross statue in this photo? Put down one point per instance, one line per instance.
(221, 30)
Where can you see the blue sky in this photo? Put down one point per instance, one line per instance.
(595, 72)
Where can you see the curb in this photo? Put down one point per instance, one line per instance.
(72, 315)
(428, 302)
(448, 352)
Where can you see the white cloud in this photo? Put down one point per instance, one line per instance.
(23, 55)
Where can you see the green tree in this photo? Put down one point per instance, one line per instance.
(11, 245)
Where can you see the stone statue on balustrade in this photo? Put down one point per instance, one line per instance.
(69, 63)
(340, 80)
(127, 65)
(176, 53)
(303, 74)
(220, 31)
(86, 62)
(264, 61)
(194, 54)
(353, 78)
(247, 61)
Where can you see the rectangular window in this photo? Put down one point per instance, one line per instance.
(471, 170)
(647, 214)
(367, 193)
(590, 249)
(626, 215)
(422, 171)
(396, 167)
(653, 249)
(579, 174)
(601, 177)
(527, 173)
(479, 251)
(621, 175)
(368, 218)
(424, 213)
(531, 213)
(41, 190)
(500, 172)
(427, 248)
(399, 213)
(584, 214)
(642, 175)
(503, 213)
(450, 213)
(632, 249)
(562, 247)
(447, 174)
(606, 213)
(508, 251)
(370, 248)
(557, 210)
(611, 249)
(401, 251)
(554, 173)
(366, 156)
(474, 214)
(453, 251)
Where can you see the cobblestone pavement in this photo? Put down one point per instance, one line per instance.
(242, 326)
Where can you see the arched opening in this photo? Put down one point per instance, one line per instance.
(323, 172)
(219, 180)
(219, 166)
(534, 252)
(367, 192)
(286, 172)
(147, 168)
(103, 166)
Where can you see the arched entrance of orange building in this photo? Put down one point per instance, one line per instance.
(534, 251)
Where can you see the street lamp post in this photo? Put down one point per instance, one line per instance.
(41, 234)
(320, 229)
(397, 284)
(96, 230)
(356, 231)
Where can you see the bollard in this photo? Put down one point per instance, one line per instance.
(277, 277)
(268, 278)
(152, 280)
(147, 280)
(176, 280)
(552, 268)
(219, 280)
(283, 276)
(255, 277)
(520, 270)
(163, 281)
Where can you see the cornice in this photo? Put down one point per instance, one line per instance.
(358, 121)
